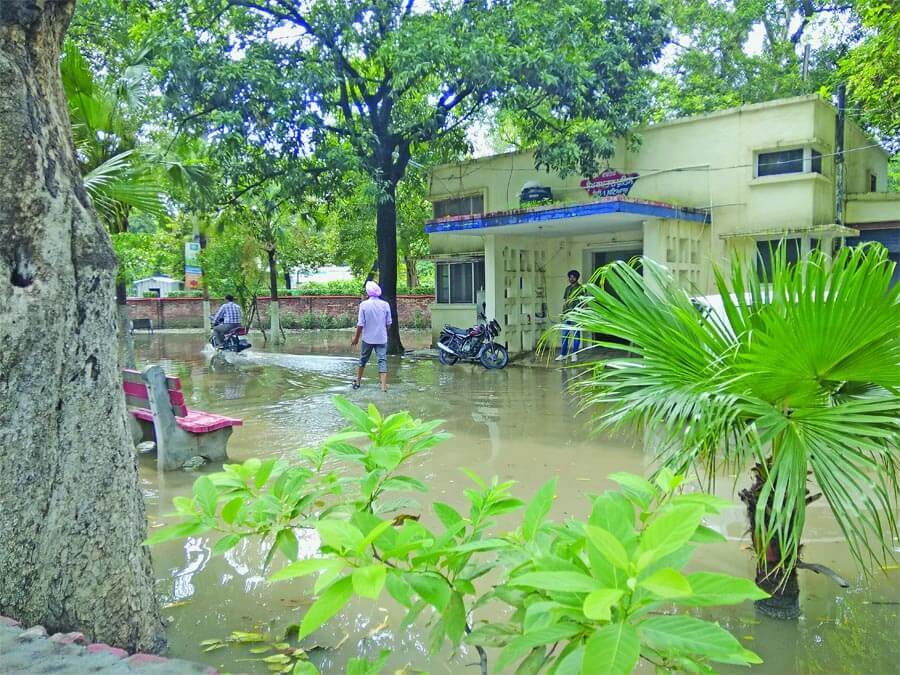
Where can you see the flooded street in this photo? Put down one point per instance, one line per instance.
(518, 424)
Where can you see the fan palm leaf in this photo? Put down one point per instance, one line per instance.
(800, 372)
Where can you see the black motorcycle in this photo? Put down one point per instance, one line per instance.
(473, 344)
(232, 341)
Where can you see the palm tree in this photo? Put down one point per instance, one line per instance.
(798, 376)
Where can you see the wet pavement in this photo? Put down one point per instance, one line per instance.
(519, 424)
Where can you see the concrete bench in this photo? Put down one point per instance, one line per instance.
(142, 324)
(157, 404)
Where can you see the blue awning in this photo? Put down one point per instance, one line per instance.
(544, 214)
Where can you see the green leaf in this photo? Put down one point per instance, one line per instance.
(286, 542)
(231, 509)
(365, 667)
(455, 618)
(339, 534)
(447, 515)
(399, 589)
(711, 503)
(525, 643)
(687, 635)
(493, 634)
(262, 475)
(668, 532)
(720, 589)
(667, 583)
(707, 535)
(382, 527)
(612, 512)
(368, 581)
(353, 414)
(302, 568)
(612, 650)
(597, 604)
(432, 588)
(177, 531)
(572, 582)
(305, 668)
(329, 603)
(538, 509)
(387, 457)
(226, 543)
(638, 490)
(569, 664)
(404, 483)
(206, 495)
(608, 546)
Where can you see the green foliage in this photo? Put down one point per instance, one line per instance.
(143, 254)
(231, 265)
(580, 596)
(316, 320)
(799, 374)
(872, 69)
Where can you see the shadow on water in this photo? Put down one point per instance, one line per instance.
(518, 424)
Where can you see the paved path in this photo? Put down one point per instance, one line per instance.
(33, 651)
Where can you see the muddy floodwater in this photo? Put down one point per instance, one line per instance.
(517, 424)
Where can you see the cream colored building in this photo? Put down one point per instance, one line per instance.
(695, 190)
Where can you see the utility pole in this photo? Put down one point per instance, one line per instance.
(839, 155)
(804, 70)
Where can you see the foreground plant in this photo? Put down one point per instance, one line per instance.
(800, 375)
(583, 596)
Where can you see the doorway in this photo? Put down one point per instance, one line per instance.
(601, 258)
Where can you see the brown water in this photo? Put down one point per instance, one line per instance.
(517, 424)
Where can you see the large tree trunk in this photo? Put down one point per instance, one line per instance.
(412, 274)
(71, 512)
(782, 584)
(386, 239)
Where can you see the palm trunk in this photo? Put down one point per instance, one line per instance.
(73, 518)
(781, 584)
(386, 238)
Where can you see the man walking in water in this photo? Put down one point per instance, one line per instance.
(374, 318)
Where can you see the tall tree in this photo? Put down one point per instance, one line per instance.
(72, 517)
(387, 76)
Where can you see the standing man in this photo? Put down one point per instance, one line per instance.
(226, 319)
(374, 318)
(570, 300)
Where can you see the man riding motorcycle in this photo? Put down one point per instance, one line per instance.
(226, 320)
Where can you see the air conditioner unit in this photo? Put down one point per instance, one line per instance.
(534, 192)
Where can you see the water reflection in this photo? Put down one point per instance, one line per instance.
(517, 423)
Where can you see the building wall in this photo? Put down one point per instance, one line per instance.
(701, 162)
(188, 312)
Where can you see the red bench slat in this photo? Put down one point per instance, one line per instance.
(135, 390)
(172, 383)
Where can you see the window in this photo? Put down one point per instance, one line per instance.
(816, 164)
(459, 283)
(873, 183)
(796, 160)
(459, 206)
(774, 163)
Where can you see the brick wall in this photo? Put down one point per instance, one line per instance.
(188, 312)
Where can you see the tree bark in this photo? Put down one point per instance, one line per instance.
(412, 275)
(71, 512)
(386, 239)
(126, 340)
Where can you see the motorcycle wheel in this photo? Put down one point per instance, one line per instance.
(445, 358)
(494, 357)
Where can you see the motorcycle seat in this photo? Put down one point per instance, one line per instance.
(456, 331)
(240, 330)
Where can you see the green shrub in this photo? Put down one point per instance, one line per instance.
(186, 294)
(586, 595)
(418, 321)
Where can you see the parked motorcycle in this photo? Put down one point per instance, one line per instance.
(474, 344)
(232, 341)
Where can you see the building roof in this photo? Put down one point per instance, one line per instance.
(158, 279)
(565, 212)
